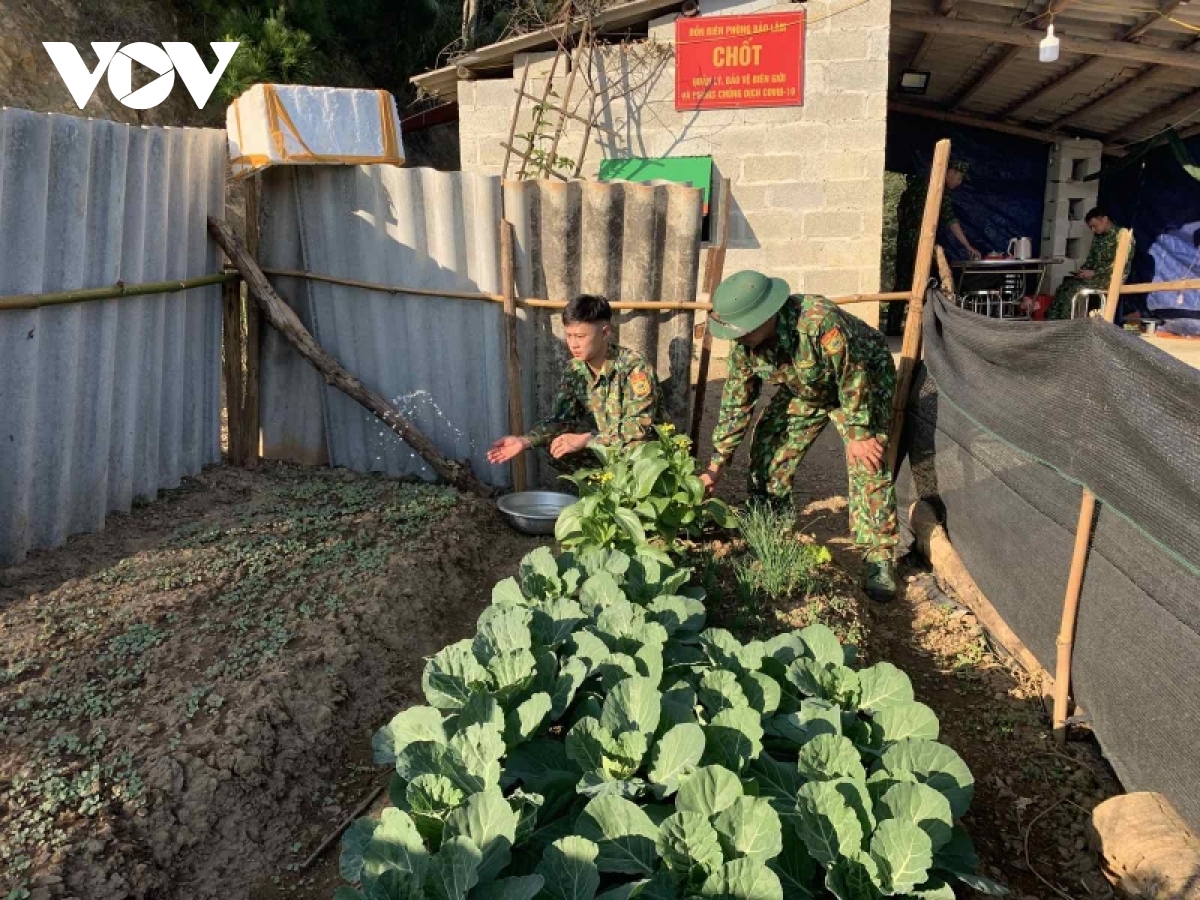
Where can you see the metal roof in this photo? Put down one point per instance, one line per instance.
(443, 83)
(110, 400)
(1103, 94)
(1112, 80)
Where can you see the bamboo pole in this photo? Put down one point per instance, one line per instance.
(642, 305)
(573, 61)
(1188, 284)
(947, 276)
(910, 352)
(285, 320)
(714, 271)
(232, 361)
(516, 414)
(512, 126)
(120, 289)
(894, 297)
(251, 424)
(1083, 534)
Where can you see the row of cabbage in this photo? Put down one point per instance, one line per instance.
(595, 741)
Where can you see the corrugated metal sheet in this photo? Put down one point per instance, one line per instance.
(105, 401)
(438, 360)
(441, 360)
(625, 241)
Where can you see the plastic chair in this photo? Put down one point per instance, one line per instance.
(1082, 302)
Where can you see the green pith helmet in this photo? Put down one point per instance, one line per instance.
(744, 301)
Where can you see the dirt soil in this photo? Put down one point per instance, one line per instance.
(187, 698)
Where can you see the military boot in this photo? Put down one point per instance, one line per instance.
(879, 579)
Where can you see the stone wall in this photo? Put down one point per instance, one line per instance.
(807, 181)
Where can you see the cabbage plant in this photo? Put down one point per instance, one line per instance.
(595, 741)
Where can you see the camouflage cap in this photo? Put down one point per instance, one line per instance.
(960, 165)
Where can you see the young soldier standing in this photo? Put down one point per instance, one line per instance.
(829, 366)
(609, 396)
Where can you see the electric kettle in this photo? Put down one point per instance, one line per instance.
(1020, 248)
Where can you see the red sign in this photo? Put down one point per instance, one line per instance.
(726, 62)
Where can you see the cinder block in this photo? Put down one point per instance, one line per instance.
(841, 44)
(859, 194)
(844, 107)
(794, 137)
(851, 253)
(750, 197)
(496, 92)
(778, 225)
(853, 165)
(773, 168)
(856, 136)
(833, 224)
(800, 195)
(868, 75)
(739, 142)
(880, 46)
(795, 254)
(831, 282)
(1071, 159)
(773, 115)
(1072, 190)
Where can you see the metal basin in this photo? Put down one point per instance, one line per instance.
(534, 512)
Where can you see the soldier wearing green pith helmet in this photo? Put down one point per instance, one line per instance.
(830, 366)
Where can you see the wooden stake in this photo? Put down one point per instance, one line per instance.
(714, 271)
(251, 431)
(516, 415)
(1083, 534)
(910, 352)
(284, 320)
(232, 346)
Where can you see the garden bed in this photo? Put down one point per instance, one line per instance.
(184, 696)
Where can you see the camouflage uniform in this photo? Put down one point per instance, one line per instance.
(620, 405)
(1100, 259)
(829, 366)
(909, 213)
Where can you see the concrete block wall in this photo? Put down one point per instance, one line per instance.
(1068, 199)
(807, 181)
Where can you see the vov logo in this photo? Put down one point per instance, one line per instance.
(165, 61)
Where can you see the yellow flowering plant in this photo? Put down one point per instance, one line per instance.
(646, 497)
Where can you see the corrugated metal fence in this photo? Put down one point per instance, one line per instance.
(109, 400)
(441, 360)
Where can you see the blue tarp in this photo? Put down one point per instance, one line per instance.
(1161, 202)
(1004, 196)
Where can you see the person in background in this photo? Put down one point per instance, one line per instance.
(830, 366)
(1096, 271)
(909, 213)
(608, 396)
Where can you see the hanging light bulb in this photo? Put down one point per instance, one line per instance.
(1048, 48)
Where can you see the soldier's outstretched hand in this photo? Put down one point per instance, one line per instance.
(868, 452)
(566, 444)
(507, 448)
(709, 479)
